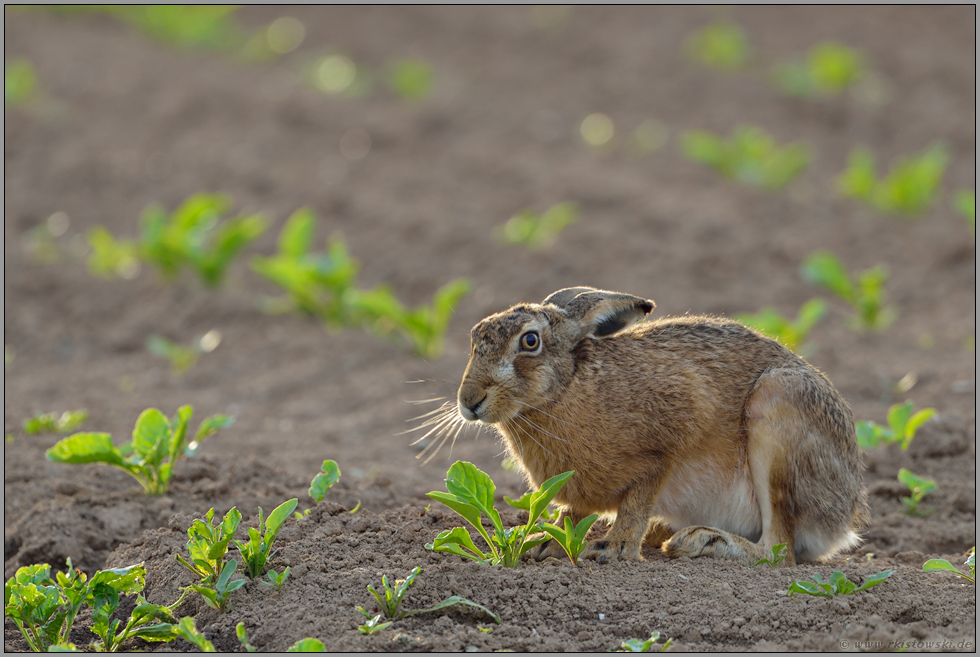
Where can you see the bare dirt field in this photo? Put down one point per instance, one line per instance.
(124, 121)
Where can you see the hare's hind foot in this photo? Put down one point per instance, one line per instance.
(711, 542)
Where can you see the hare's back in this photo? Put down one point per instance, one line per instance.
(715, 342)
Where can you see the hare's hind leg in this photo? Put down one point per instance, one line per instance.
(804, 470)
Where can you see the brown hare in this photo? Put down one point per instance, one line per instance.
(698, 434)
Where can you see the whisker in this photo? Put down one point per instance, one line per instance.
(445, 408)
(437, 429)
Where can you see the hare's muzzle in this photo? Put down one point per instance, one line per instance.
(469, 400)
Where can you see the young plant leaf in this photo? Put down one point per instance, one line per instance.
(458, 541)
(310, 644)
(470, 484)
(187, 630)
(86, 448)
(328, 476)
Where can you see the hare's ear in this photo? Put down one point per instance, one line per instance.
(597, 313)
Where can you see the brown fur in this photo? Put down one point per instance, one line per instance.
(669, 421)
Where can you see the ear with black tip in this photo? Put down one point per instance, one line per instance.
(597, 313)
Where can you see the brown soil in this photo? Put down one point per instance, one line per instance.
(124, 122)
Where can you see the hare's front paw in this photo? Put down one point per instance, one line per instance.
(551, 548)
(698, 542)
(603, 551)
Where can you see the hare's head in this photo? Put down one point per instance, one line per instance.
(525, 356)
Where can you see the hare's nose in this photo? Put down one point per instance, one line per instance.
(467, 407)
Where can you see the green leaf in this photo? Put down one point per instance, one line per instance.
(279, 515)
(328, 476)
(840, 584)
(19, 82)
(210, 426)
(229, 524)
(722, 46)
(412, 79)
(311, 645)
(874, 580)
(457, 600)
(469, 512)
(474, 486)
(867, 434)
(542, 498)
(825, 269)
(859, 179)
(913, 424)
(898, 417)
(457, 540)
(86, 448)
(156, 632)
(809, 588)
(179, 432)
(151, 436)
(919, 486)
(296, 237)
(128, 580)
(187, 630)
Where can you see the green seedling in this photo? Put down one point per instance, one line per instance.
(636, 645)
(423, 327)
(208, 544)
(390, 600)
(838, 585)
(829, 69)
(110, 257)
(470, 495)
(276, 580)
(224, 586)
(194, 236)
(919, 487)
(750, 156)
(325, 285)
(779, 551)
(44, 609)
(942, 564)
(308, 644)
(157, 444)
(328, 476)
(243, 637)
(54, 423)
(411, 79)
(186, 629)
(256, 551)
(538, 231)
(180, 26)
(523, 503)
(790, 333)
(866, 296)
(572, 537)
(901, 429)
(722, 46)
(19, 82)
(374, 625)
(965, 202)
(147, 621)
(39, 608)
(183, 358)
(314, 282)
(910, 188)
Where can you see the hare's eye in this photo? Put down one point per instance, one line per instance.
(530, 341)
